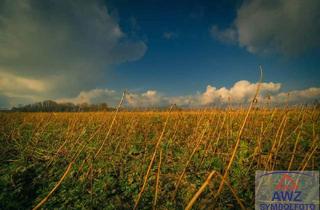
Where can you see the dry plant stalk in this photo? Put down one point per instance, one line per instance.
(44, 200)
(111, 125)
(210, 140)
(201, 189)
(273, 148)
(239, 136)
(309, 157)
(206, 183)
(157, 181)
(152, 160)
(199, 141)
(294, 149)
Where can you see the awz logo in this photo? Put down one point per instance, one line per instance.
(287, 196)
(287, 190)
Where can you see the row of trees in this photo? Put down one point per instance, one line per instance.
(52, 106)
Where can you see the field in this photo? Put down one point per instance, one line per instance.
(145, 160)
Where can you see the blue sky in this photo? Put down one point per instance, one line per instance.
(193, 58)
(161, 51)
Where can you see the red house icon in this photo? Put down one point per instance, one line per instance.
(287, 183)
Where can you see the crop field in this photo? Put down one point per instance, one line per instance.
(193, 159)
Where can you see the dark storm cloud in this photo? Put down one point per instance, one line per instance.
(288, 27)
(66, 44)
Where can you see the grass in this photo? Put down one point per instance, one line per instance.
(144, 160)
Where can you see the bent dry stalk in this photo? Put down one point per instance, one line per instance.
(208, 182)
(115, 176)
(239, 135)
(44, 200)
(157, 181)
(152, 160)
(198, 143)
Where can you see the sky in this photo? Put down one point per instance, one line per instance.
(192, 53)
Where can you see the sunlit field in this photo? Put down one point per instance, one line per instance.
(203, 159)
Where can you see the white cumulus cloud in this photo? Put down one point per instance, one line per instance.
(308, 95)
(146, 99)
(242, 92)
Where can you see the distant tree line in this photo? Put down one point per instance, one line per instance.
(52, 106)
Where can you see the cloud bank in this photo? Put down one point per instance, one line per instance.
(94, 96)
(241, 92)
(288, 27)
(59, 47)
